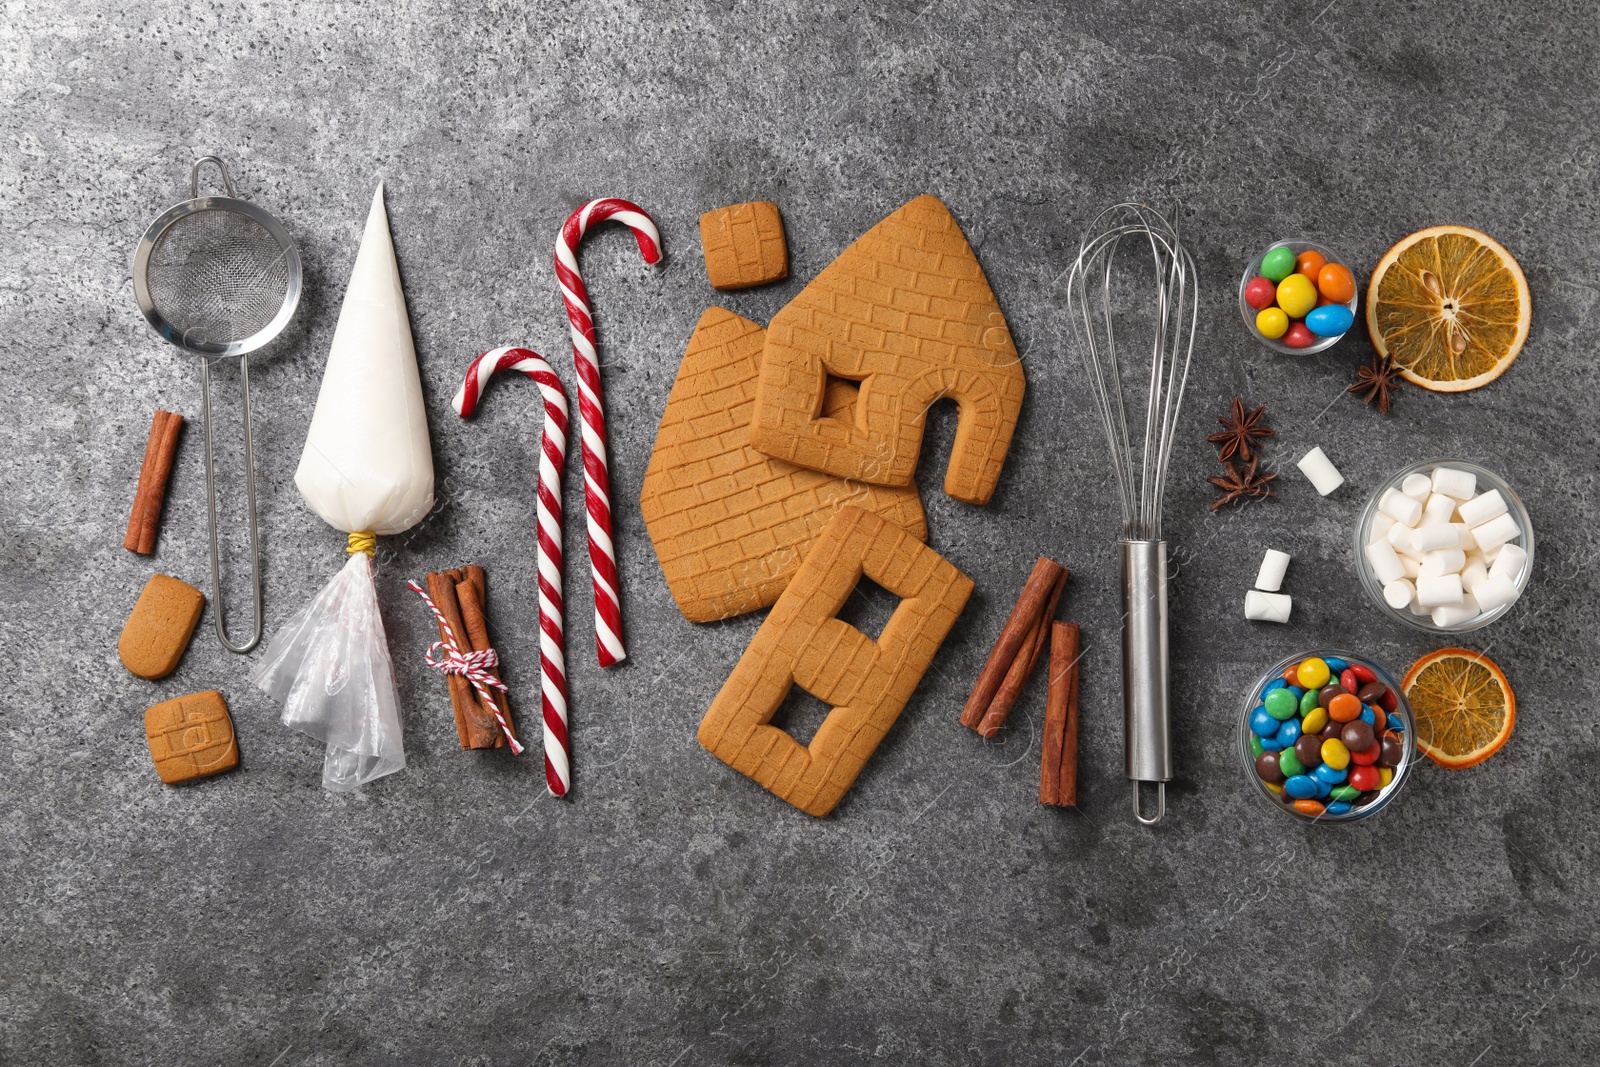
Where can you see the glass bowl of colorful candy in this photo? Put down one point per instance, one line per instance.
(1326, 737)
(1445, 546)
(1298, 296)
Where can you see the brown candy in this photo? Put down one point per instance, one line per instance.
(1267, 768)
(1308, 749)
(1394, 750)
(1372, 692)
(1329, 692)
(1357, 736)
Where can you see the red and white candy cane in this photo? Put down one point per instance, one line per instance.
(475, 667)
(552, 456)
(591, 407)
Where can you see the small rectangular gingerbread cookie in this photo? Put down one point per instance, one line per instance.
(191, 737)
(158, 631)
(744, 245)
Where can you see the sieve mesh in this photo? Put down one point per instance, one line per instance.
(217, 276)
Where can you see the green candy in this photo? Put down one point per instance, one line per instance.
(1278, 264)
(1345, 792)
(1255, 746)
(1308, 703)
(1281, 704)
(1290, 764)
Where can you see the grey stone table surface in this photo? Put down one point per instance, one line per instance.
(672, 912)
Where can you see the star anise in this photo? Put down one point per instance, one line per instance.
(1378, 382)
(1238, 432)
(1237, 484)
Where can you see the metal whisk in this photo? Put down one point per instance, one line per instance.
(1140, 477)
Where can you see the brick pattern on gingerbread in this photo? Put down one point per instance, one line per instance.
(729, 524)
(908, 313)
(191, 737)
(802, 643)
(744, 245)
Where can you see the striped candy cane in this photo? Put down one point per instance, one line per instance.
(552, 645)
(591, 408)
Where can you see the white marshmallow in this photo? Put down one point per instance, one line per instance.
(1443, 561)
(1399, 536)
(1386, 565)
(1437, 508)
(1418, 609)
(1473, 575)
(1464, 536)
(1456, 614)
(1494, 592)
(1428, 538)
(1438, 592)
(1480, 509)
(1508, 564)
(1417, 486)
(1496, 532)
(1405, 510)
(1269, 578)
(1490, 554)
(1458, 484)
(1267, 607)
(1399, 594)
(1317, 467)
(1381, 525)
(1412, 565)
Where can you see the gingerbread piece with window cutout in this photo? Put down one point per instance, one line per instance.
(866, 682)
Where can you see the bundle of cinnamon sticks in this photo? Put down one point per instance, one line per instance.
(460, 596)
(159, 452)
(1016, 653)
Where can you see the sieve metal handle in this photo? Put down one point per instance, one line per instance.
(194, 176)
(1146, 722)
(211, 503)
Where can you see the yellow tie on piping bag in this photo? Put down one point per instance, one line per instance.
(367, 470)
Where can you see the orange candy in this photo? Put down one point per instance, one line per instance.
(1335, 282)
(1310, 264)
(1344, 708)
(1312, 808)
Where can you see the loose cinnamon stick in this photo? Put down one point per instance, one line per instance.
(1030, 603)
(1058, 769)
(1022, 667)
(476, 728)
(471, 592)
(144, 522)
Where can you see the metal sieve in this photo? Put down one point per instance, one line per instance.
(219, 277)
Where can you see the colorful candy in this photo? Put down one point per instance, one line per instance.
(1302, 299)
(1259, 293)
(1272, 322)
(1277, 264)
(1321, 739)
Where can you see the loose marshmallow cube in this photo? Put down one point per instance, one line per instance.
(1381, 525)
(1405, 510)
(1317, 467)
(1464, 536)
(1412, 565)
(1267, 607)
(1386, 565)
(1456, 614)
(1273, 565)
(1508, 564)
(1399, 594)
(1457, 484)
(1443, 561)
(1438, 592)
(1473, 575)
(1417, 486)
(1496, 532)
(1494, 592)
(1437, 508)
(1439, 535)
(1480, 509)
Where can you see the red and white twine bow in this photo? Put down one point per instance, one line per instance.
(591, 406)
(552, 456)
(475, 667)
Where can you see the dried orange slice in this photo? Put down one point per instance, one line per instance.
(1463, 706)
(1451, 306)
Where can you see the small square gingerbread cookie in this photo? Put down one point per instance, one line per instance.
(191, 737)
(744, 245)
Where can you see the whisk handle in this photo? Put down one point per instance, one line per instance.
(1146, 724)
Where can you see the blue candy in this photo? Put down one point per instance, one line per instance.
(1276, 683)
(1297, 691)
(1396, 723)
(1329, 320)
(1336, 665)
(1339, 807)
(1367, 716)
(1272, 744)
(1301, 787)
(1323, 788)
(1262, 724)
(1328, 776)
(1288, 733)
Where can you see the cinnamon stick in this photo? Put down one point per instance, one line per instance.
(161, 447)
(1058, 769)
(475, 727)
(1022, 667)
(1030, 603)
(471, 592)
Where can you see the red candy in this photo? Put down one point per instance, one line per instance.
(1260, 293)
(1389, 701)
(1349, 680)
(1363, 672)
(1364, 777)
(1365, 758)
(1299, 336)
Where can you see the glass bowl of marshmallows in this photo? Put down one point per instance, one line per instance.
(1445, 546)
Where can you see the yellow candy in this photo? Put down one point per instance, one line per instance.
(1274, 786)
(1385, 776)
(1313, 672)
(1297, 295)
(1334, 754)
(1272, 323)
(1313, 723)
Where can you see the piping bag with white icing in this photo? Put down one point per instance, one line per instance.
(367, 469)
